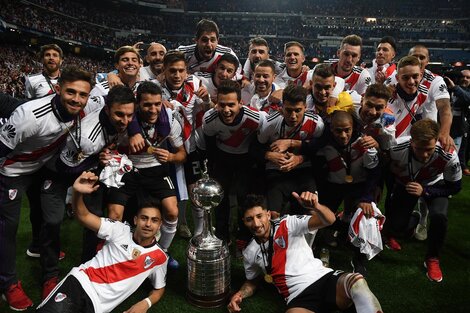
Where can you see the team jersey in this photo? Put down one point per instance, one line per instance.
(38, 85)
(253, 100)
(143, 159)
(359, 79)
(441, 165)
(275, 128)
(283, 79)
(339, 87)
(102, 88)
(294, 267)
(190, 106)
(207, 79)
(235, 138)
(195, 65)
(248, 68)
(389, 69)
(356, 98)
(145, 74)
(120, 267)
(95, 135)
(407, 112)
(361, 159)
(382, 129)
(35, 133)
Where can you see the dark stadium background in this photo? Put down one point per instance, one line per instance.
(90, 31)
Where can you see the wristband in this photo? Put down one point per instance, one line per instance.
(148, 302)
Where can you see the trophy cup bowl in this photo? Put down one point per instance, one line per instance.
(208, 257)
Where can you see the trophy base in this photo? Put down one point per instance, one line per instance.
(207, 301)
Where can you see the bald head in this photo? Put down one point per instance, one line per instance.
(154, 58)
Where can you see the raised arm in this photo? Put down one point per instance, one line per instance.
(85, 184)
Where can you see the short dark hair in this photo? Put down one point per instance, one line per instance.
(294, 94)
(124, 49)
(173, 56)
(323, 70)
(424, 130)
(51, 46)
(353, 40)
(147, 87)
(71, 74)
(251, 201)
(266, 63)
(208, 26)
(339, 115)
(120, 94)
(378, 91)
(228, 86)
(259, 41)
(149, 202)
(230, 58)
(294, 44)
(390, 40)
(408, 60)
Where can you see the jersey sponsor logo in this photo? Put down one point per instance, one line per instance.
(456, 168)
(148, 262)
(12, 194)
(59, 297)
(125, 247)
(10, 131)
(47, 184)
(442, 88)
(280, 242)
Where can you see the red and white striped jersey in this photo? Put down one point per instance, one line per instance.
(120, 267)
(35, 134)
(361, 159)
(207, 80)
(248, 68)
(382, 129)
(441, 165)
(253, 100)
(38, 86)
(283, 79)
(358, 80)
(406, 112)
(389, 69)
(233, 139)
(437, 89)
(294, 267)
(275, 128)
(195, 65)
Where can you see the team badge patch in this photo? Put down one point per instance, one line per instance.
(280, 242)
(47, 184)
(59, 297)
(148, 261)
(12, 193)
(135, 253)
(10, 130)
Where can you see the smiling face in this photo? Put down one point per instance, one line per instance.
(371, 109)
(206, 45)
(51, 61)
(228, 107)
(155, 54)
(257, 220)
(384, 54)
(408, 78)
(224, 70)
(120, 115)
(147, 223)
(258, 53)
(294, 58)
(150, 106)
(322, 88)
(342, 130)
(263, 79)
(175, 74)
(73, 95)
(128, 64)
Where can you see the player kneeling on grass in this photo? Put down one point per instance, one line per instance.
(117, 270)
(280, 252)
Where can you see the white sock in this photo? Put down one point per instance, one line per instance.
(168, 231)
(364, 300)
(198, 219)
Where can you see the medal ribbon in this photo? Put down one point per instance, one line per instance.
(268, 255)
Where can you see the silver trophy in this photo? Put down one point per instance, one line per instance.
(208, 257)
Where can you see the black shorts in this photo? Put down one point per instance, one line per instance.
(319, 297)
(69, 297)
(153, 181)
(192, 168)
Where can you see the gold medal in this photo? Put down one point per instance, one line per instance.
(135, 253)
(79, 156)
(151, 150)
(348, 178)
(268, 278)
